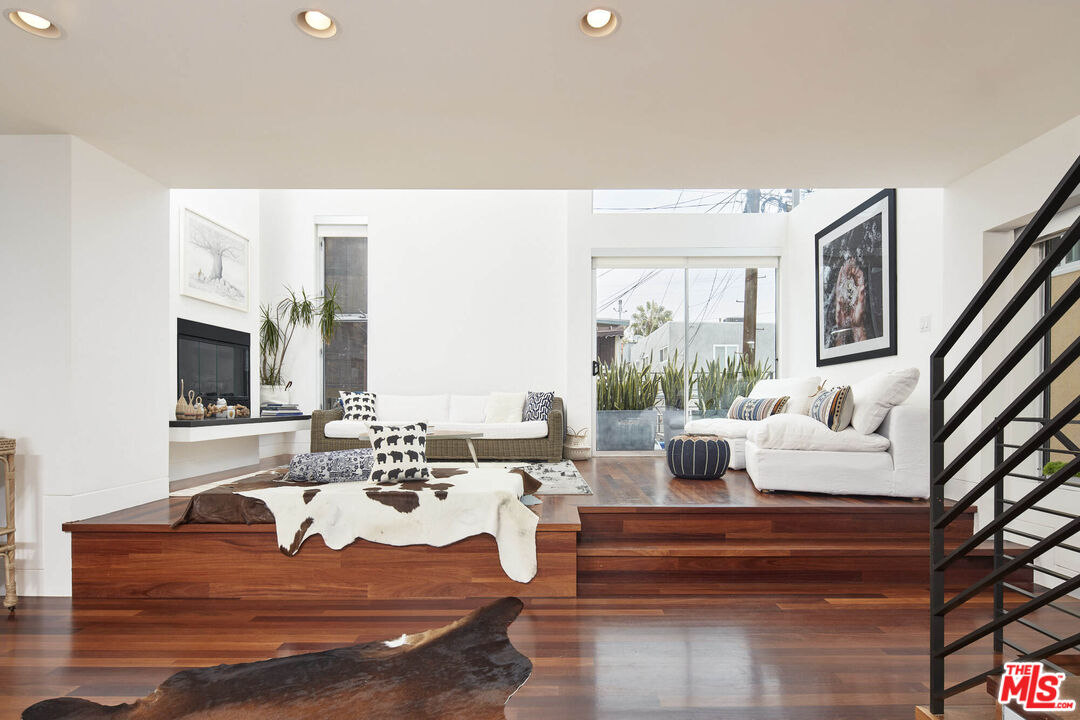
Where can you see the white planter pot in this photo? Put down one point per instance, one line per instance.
(273, 394)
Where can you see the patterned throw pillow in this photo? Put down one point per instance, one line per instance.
(537, 406)
(358, 406)
(832, 407)
(400, 452)
(330, 467)
(756, 408)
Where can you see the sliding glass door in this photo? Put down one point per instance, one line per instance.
(676, 339)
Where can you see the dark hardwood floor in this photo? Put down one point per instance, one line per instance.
(748, 656)
(690, 625)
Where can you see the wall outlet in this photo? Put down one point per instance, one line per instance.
(924, 323)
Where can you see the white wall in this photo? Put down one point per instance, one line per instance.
(85, 239)
(467, 289)
(237, 210)
(980, 208)
(918, 292)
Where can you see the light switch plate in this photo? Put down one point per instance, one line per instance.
(924, 323)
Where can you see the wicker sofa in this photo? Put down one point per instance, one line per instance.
(547, 449)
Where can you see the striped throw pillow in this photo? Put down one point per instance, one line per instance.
(756, 408)
(833, 408)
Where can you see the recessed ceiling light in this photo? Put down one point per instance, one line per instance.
(316, 23)
(599, 22)
(33, 23)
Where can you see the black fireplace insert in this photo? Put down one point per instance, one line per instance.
(213, 361)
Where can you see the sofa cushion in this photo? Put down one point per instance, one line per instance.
(333, 466)
(800, 390)
(467, 408)
(400, 452)
(833, 408)
(505, 407)
(875, 396)
(497, 431)
(346, 429)
(412, 408)
(358, 405)
(727, 428)
(799, 432)
(537, 406)
(756, 408)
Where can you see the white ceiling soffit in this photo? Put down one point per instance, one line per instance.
(478, 93)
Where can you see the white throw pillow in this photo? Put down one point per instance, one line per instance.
(467, 408)
(505, 407)
(800, 391)
(875, 396)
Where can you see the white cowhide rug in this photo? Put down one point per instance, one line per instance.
(437, 511)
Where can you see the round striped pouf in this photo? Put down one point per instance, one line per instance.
(698, 457)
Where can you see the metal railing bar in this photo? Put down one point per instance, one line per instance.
(1062, 437)
(1024, 653)
(1015, 615)
(1032, 391)
(1064, 644)
(1048, 511)
(1037, 568)
(973, 681)
(1038, 629)
(1029, 341)
(1014, 564)
(1032, 445)
(1040, 478)
(1011, 259)
(1026, 593)
(1033, 536)
(1057, 450)
(1041, 420)
(1000, 522)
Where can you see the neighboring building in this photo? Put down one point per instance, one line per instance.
(609, 339)
(708, 341)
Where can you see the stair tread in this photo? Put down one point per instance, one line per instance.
(763, 548)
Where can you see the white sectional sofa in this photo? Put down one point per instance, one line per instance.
(899, 466)
(535, 440)
(792, 451)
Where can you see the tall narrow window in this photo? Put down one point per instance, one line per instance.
(345, 269)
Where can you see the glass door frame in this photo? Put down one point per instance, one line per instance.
(334, 226)
(691, 258)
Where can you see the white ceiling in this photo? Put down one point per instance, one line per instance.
(475, 93)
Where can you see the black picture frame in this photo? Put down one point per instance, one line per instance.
(855, 291)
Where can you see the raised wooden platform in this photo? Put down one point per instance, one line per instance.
(640, 531)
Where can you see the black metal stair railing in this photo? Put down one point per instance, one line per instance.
(1009, 458)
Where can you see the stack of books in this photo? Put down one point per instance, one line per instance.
(279, 409)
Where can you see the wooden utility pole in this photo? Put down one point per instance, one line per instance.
(749, 323)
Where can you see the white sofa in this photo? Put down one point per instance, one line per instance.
(792, 451)
(446, 413)
(902, 469)
(536, 440)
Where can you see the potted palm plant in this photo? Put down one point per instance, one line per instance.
(626, 406)
(276, 328)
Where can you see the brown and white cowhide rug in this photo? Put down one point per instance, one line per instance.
(467, 669)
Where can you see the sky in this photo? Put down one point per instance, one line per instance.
(715, 293)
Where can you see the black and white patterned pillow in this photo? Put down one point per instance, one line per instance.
(331, 467)
(400, 452)
(833, 408)
(358, 406)
(537, 406)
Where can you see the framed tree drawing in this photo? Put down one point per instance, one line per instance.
(855, 271)
(213, 262)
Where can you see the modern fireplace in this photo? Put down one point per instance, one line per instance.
(213, 361)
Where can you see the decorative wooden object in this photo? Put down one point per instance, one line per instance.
(7, 530)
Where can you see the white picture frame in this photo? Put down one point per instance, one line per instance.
(215, 262)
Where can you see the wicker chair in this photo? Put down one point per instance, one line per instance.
(546, 449)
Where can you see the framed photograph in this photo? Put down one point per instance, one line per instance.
(214, 262)
(855, 271)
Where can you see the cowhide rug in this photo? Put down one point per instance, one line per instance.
(467, 669)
